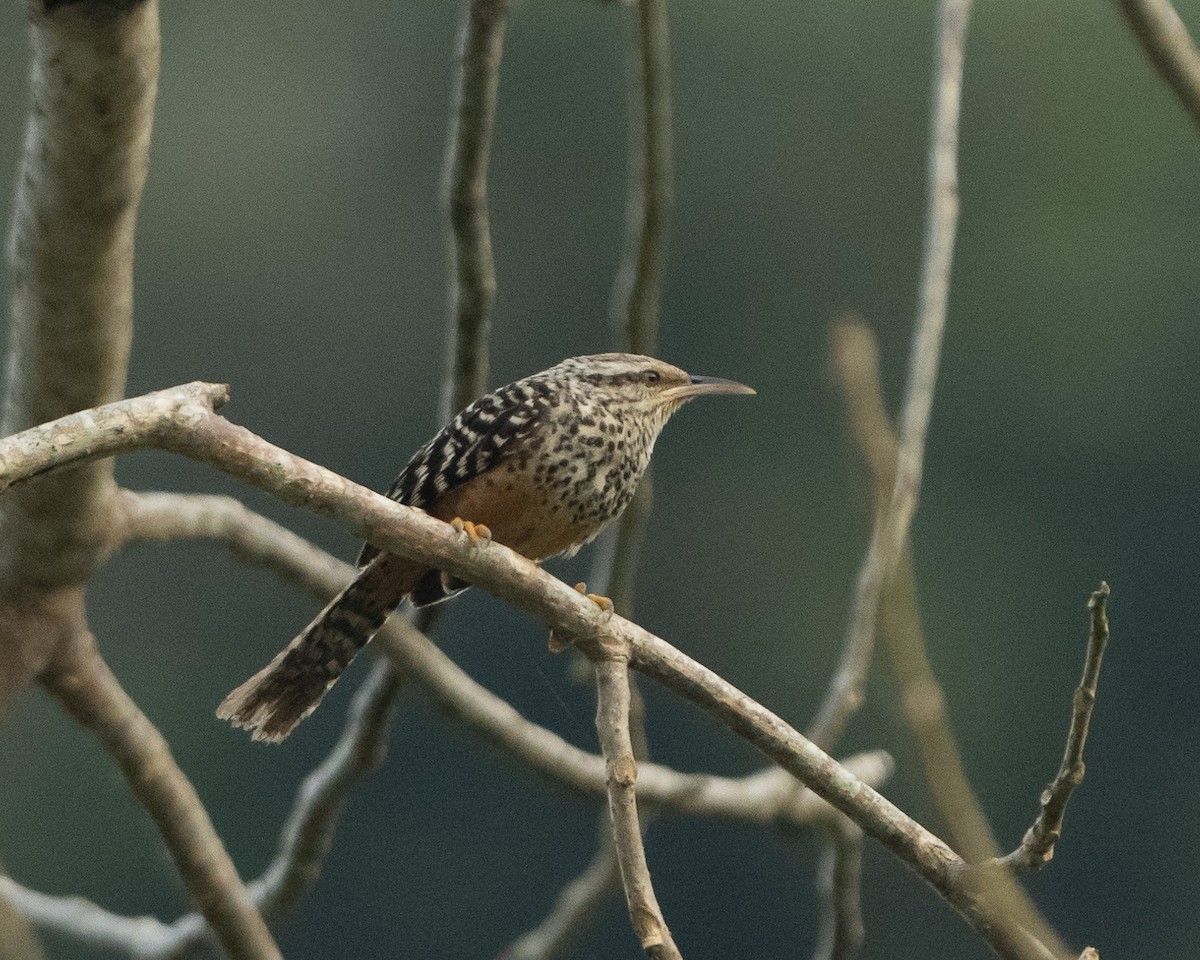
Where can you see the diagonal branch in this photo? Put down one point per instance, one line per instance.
(854, 365)
(308, 832)
(891, 529)
(1037, 847)
(207, 438)
(82, 682)
(253, 539)
(1168, 46)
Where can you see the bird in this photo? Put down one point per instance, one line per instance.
(540, 465)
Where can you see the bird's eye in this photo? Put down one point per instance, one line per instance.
(652, 376)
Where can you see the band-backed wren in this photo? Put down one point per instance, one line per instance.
(541, 465)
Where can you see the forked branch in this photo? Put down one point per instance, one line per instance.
(202, 435)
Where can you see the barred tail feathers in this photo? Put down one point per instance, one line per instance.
(273, 701)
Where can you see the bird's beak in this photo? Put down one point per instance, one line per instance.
(701, 385)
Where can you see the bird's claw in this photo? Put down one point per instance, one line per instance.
(477, 533)
(558, 641)
(603, 602)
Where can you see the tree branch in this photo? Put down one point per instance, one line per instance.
(473, 291)
(891, 530)
(206, 437)
(637, 292)
(84, 921)
(839, 882)
(1169, 48)
(612, 726)
(854, 359)
(82, 682)
(763, 797)
(638, 286)
(854, 365)
(578, 901)
(18, 941)
(1037, 846)
(93, 79)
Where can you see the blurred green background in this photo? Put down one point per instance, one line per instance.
(291, 243)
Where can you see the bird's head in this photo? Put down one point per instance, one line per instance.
(640, 383)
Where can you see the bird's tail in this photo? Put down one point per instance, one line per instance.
(288, 689)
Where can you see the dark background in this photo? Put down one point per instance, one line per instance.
(291, 244)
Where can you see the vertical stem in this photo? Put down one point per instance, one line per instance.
(612, 726)
(891, 530)
(93, 78)
(638, 287)
(473, 289)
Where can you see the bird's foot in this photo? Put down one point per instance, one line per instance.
(603, 602)
(477, 533)
(559, 641)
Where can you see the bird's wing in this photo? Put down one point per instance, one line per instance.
(479, 439)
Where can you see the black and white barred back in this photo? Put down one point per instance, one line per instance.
(563, 450)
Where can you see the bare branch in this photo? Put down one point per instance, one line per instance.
(854, 364)
(576, 904)
(891, 530)
(474, 289)
(759, 798)
(854, 360)
(1037, 847)
(83, 920)
(839, 882)
(637, 292)
(1168, 46)
(638, 286)
(18, 941)
(208, 438)
(612, 726)
(85, 686)
(308, 833)
(93, 81)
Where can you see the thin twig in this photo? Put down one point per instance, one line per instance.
(612, 727)
(854, 365)
(473, 290)
(82, 682)
(1037, 846)
(637, 290)
(307, 835)
(577, 902)
(891, 531)
(203, 436)
(854, 357)
(1168, 46)
(839, 883)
